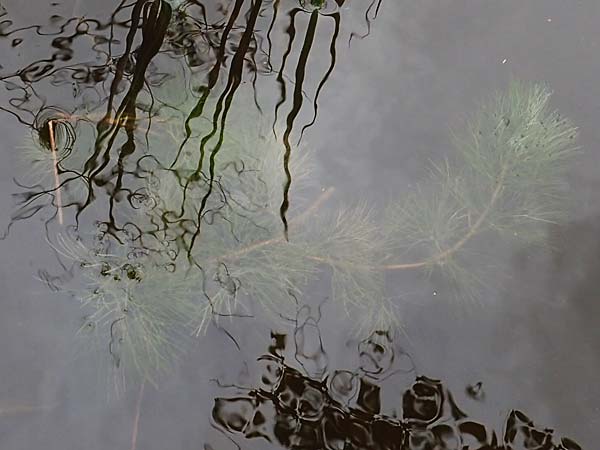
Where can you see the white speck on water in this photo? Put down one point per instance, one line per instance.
(434, 293)
(504, 61)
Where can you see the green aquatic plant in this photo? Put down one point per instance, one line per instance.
(142, 303)
(240, 249)
(315, 4)
(508, 178)
(136, 306)
(210, 243)
(47, 163)
(38, 160)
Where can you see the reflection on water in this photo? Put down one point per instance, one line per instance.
(207, 49)
(164, 153)
(342, 409)
(172, 193)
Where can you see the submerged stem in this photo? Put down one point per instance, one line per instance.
(298, 219)
(460, 243)
(473, 230)
(55, 167)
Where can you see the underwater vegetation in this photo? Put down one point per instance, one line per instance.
(116, 70)
(184, 206)
(137, 309)
(507, 179)
(344, 408)
(198, 249)
(213, 203)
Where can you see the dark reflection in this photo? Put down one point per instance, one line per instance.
(341, 409)
(222, 107)
(370, 14)
(105, 164)
(120, 74)
(156, 151)
(314, 8)
(154, 17)
(475, 391)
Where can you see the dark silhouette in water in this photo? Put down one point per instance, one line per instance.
(221, 45)
(342, 409)
(298, 96)
(300, 412)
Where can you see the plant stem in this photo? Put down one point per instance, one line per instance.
(316, 205)
(296, 220)
(473, 230)
(459, 244)
(55, 166)
(23, 409)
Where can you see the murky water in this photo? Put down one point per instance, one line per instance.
(299, 224)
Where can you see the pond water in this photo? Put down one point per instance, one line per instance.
(305, 224)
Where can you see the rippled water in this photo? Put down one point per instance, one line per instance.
(299, 224)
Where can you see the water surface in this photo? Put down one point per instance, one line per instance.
(300, 110)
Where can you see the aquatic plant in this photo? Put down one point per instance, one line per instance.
(48, 161)
(136, 306)
(508, 178)
(239, 248)
(140, 300)
(205, 247)
(38, 159)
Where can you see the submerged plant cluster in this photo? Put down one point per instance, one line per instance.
(202, 213)
(212, 213)
(205, 240)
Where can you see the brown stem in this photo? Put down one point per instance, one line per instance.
(446, 253)
(298, 219)
(23, 409)
(473, 230)
(316, 205)
(458, 245)
(55, 167)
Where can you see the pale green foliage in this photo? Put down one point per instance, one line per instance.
(36, 160)
(519, 143)
(507, 178)
(349, 242)
(426, 221)
(139, 307)
(241, 210)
